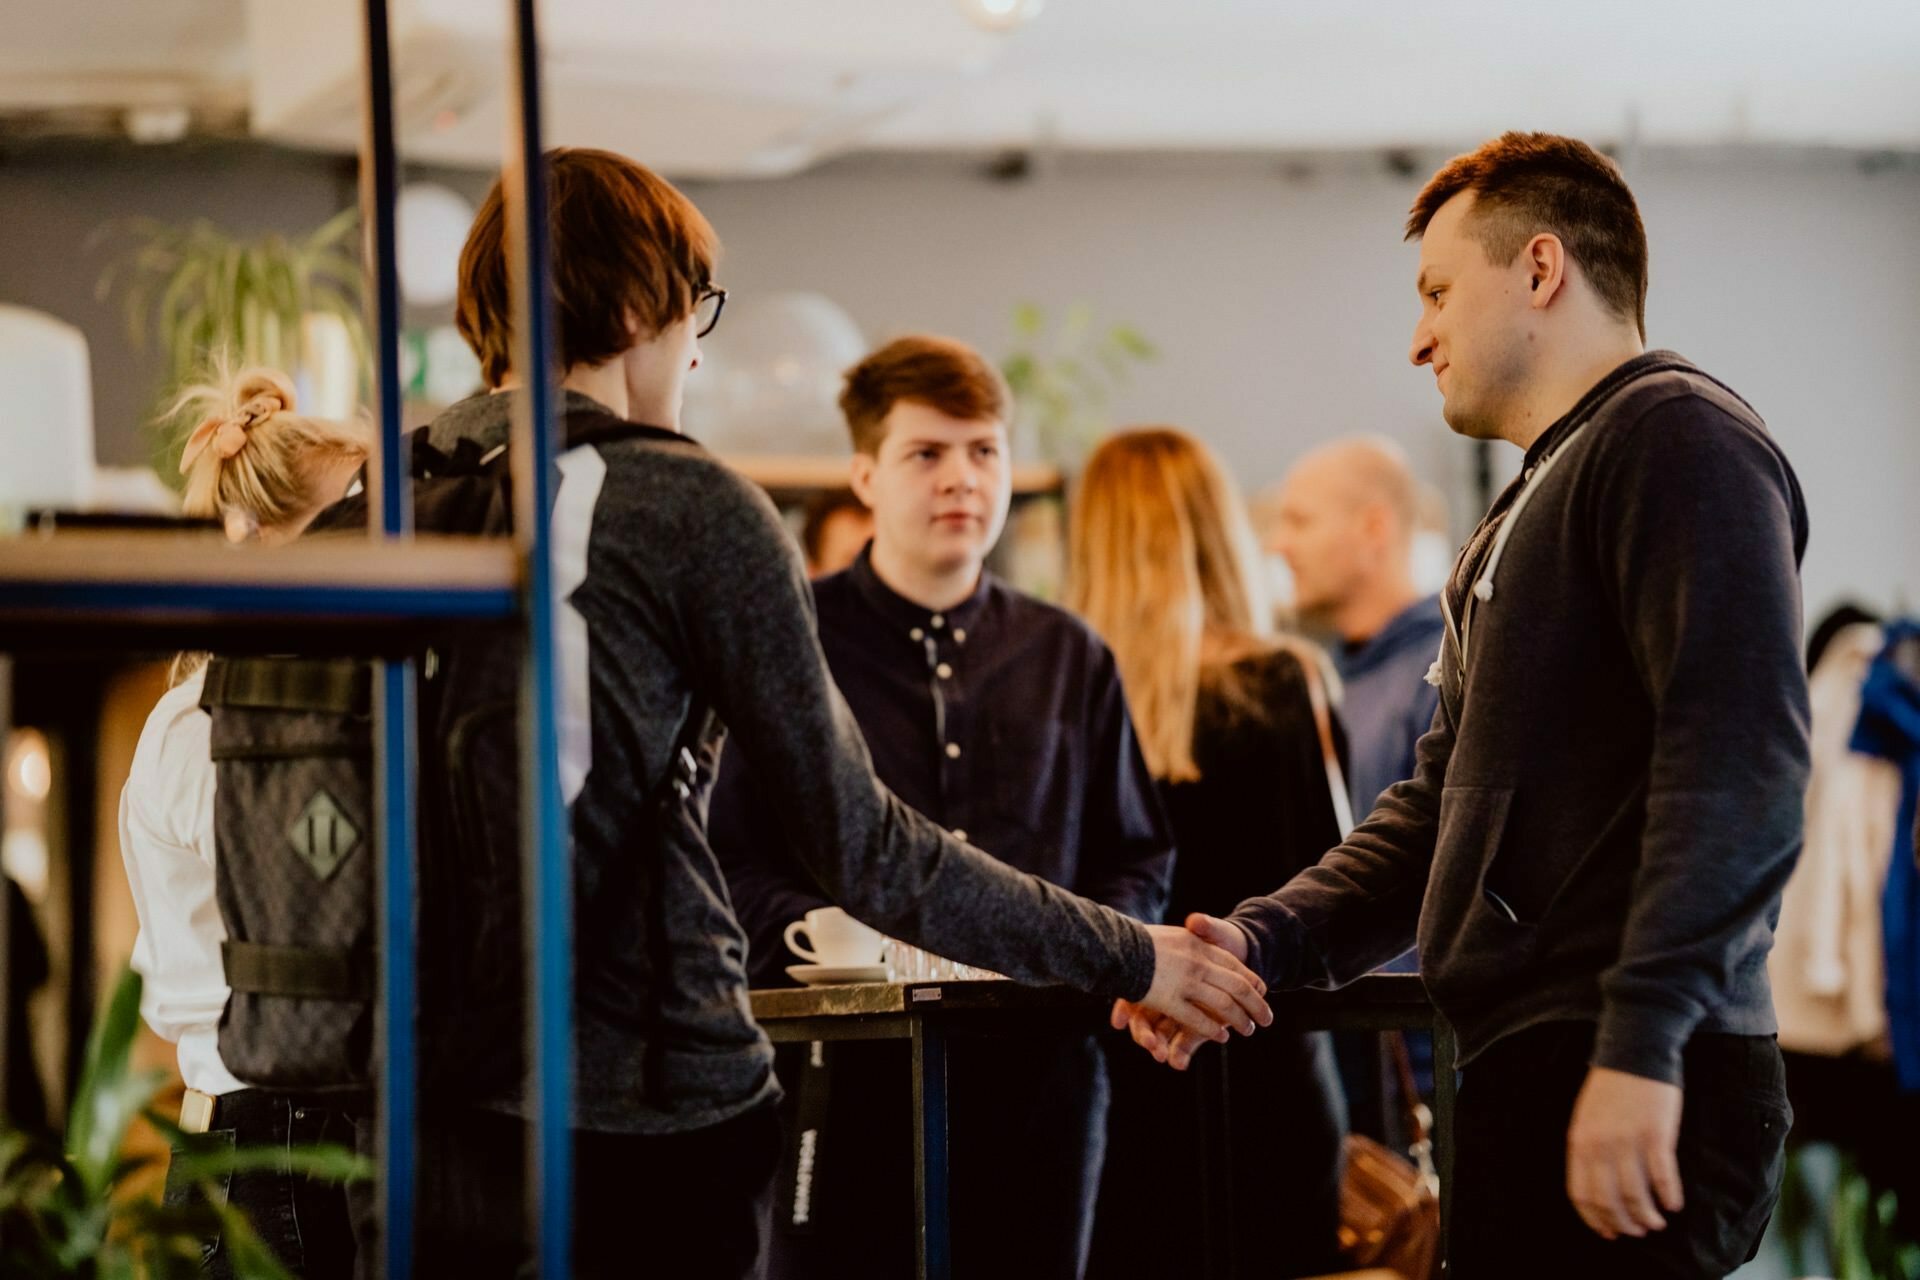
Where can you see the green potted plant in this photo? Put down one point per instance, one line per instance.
(67, 1208)
(1063, 381)
(292, 302)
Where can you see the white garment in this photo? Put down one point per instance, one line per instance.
(166, 841)
(1827, 964)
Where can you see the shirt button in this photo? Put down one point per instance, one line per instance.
(959, 833)
(938, 621)
(944, 671)
(917, 634)
(959, 635)
(953, 751)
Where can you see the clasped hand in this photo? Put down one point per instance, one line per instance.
(1201, 989)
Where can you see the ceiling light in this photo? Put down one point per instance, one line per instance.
(1001, 15)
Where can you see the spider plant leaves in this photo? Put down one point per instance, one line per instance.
(194, 290)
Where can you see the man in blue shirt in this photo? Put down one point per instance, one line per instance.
(1346, 521)
(1345, 524)
(1001, 718)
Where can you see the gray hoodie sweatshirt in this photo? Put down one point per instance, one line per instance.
(1610, 799)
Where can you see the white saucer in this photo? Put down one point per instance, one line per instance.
(827, 975)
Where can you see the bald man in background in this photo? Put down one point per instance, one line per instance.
(1344, 521)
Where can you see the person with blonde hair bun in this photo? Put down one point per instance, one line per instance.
(265, 470)
(1230, 718)
(258, 464)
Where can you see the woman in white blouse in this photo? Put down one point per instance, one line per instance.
(265, 471)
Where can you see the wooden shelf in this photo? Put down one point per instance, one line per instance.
(779, 474)
(91, 589)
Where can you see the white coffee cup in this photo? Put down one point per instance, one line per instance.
(836, 938)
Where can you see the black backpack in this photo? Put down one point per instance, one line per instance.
(294, 824)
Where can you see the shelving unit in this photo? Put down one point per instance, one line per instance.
(796, 477)
(384, 597)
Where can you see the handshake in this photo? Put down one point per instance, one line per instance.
(1201, 989)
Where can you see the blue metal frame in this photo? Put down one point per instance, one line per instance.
(395, 760)
(398, 1113)
(328, 604)
(150, 606)
(549, 867)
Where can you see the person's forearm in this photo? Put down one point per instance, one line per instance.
(756, 653)
(1356, 908)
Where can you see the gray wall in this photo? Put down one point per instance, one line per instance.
(53, 200)
(1277, 289)
(1282, 299)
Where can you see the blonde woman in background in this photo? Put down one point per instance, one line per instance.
(264, 471)
(1162, 565)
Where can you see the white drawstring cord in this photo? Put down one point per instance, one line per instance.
(1483, 585)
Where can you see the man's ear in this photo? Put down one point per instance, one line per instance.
(1376, 523)
(860, 477)
(1545, 259)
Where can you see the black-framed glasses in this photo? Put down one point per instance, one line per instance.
(707, 306)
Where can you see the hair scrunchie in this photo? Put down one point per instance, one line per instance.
(225, 437)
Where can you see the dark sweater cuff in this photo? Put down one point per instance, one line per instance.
(1275, 937)
(1643, 1040)
(1134, 975)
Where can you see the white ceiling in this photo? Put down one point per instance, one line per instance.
(744, 86)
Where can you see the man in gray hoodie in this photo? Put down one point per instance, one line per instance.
(1602, 817)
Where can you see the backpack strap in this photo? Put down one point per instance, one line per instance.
(674, 788)
(312, 973)
(341, 686)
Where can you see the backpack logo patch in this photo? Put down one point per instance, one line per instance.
(322, 836)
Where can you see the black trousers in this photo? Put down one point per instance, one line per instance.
(304, 1221)
(695, 1205)
(1511, 1215)
(1285, 1128)
(1027, 1136)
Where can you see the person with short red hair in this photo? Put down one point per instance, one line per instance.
(679, 594)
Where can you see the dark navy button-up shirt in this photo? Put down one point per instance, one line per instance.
(1001, 718)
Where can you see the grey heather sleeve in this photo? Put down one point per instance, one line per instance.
(750, 635)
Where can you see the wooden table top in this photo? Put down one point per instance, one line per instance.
(1383, 992)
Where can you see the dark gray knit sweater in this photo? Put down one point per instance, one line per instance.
(677, 577)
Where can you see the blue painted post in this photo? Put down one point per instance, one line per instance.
(549, 872)
(394, 761)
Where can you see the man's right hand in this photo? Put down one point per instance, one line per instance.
(1172, 1035)
(1200, 987)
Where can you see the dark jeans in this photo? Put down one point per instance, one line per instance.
(303, 1221)
(1026, 1133)
(1511, 1215)
(696, 1205)
(1285, 1130)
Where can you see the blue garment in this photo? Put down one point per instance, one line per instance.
(1389, 703)
(1889, 726)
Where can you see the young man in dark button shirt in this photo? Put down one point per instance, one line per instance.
(1002, 718)
(1601, 819)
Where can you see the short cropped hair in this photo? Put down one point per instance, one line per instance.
(630, 256)
(949, 375)
(1527, 183)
